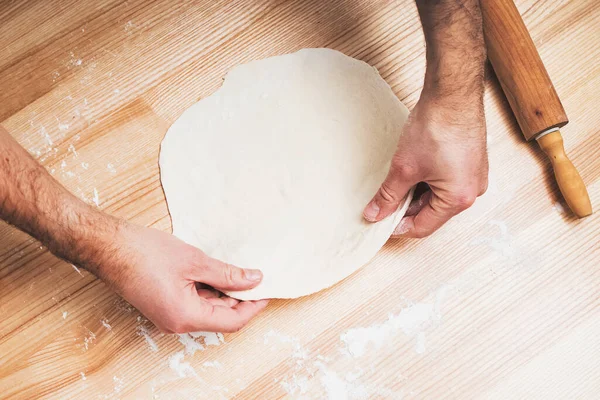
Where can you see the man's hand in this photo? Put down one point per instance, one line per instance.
(160, 275)
(444, 148)
(154, 271)
(444, 141)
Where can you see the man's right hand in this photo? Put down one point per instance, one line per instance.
(157, 273)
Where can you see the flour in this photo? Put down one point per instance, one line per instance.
(89, 339)
(209, 338)
(272, 336)
(73, 150)
(412, 321)
(142, 331)
(76, 269)
(189, 344)
(106, 324)
(96, 198)
(501, 244)
(64, 314)
(182, 369)
(111, 168)
(213, 364)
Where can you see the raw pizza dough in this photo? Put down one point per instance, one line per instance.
(274, 169)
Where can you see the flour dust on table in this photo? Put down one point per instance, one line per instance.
(273, 170)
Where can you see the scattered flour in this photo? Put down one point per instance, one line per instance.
(118, 384)
(73, 150)
(272, 336)
(106, 324)
(189, 344)
(64, 314)
(142, 331)
(213, 364)
(182, 369)
(210, 338)
(96, 198)
(502, 244)
(558, 207)
(75, 268)
(412, 321)
(89, 339)
(83, 378)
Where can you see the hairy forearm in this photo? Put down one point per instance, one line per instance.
(33, 201)
(455, 47)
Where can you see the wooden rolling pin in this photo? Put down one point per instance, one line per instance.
(531, 95)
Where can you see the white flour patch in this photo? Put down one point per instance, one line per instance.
(111, 168)
(413, 321)
(89, 339)
(209, 338)
(558, 207)
(73, 150)
(96, 198)
(272, 337)
(142, 331)
(85, 165)
(189, 344)
(83, 378)
(181, 368)
(335, 387)
(502, 244)
(118, 384)
(295, 385)
(64, 314)
(213, 364)
(63, 126)
(46, 137)
(76, 269)
(106, 324)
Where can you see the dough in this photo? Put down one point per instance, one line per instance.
(274, 169)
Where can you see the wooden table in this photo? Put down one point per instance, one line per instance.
(503, 302)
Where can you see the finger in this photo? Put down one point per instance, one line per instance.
(391, 193)
(223, 301)
(435, 213)
(225, 276)
(208, 293)
(413, 209)
(418, 203)
(217, 318)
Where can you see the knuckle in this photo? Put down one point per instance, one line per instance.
(229, 274)
(388, 194)
(464, 200)
(404, 169)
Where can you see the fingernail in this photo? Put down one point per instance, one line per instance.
(371, 211)
(253, 275)
(402, 227)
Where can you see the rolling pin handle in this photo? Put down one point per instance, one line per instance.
(569, 181)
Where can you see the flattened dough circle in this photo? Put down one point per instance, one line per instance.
(273, 170)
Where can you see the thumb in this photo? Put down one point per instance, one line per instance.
(225, 276)
(392, 191)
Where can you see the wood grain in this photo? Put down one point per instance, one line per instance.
(90, 87)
